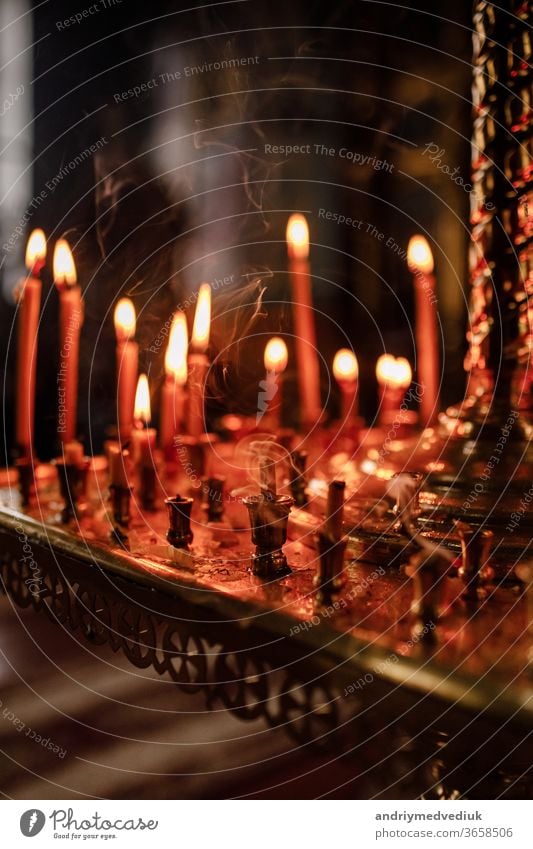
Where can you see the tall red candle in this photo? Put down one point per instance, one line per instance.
(394, 376)
(127, 366)
(29, 298)
(346, 373)
(198, 361)
(271, 397)
(304, 320)
(143, 436)
(420, 261)
(70, 322)
(173, 391)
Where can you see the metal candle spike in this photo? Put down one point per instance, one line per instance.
(298, 463)
(331, 545)
(179, 532)
(120, 497)
(214, 498)
(27, 483)
(269, 515)
(72, 485)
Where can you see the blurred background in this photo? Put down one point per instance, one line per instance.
(154, 140)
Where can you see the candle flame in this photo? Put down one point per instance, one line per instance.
(124, 319)
(297, 237)
(176, 354)
(419, 256)
(393, 372)
(202, 320)
(35, 251)
(142, 412)
(64, 268)
(345, 366)
(276, 355)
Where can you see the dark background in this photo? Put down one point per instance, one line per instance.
(171, 199)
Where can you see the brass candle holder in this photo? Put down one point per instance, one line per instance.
(269, 518)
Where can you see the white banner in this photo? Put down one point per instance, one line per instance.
(262, 824)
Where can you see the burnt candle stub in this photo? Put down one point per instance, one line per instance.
(179, 532)
(298, 482)
(331, 545)
(269, 519)
(335, 510)
(329, 578)
(120, 498)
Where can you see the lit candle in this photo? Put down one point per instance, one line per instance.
(271, 395)
(127, 366)
(143, 436)
(420, 261)
(394, 377)
(70, 321)
(346, 373)
(173, 391)
(29, 302)
(198, 362)
(304, 320)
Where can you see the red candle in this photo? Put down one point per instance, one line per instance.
(173, 391)
(70, 321)
(420, 261)
(346, 373)
(127, 366)
(29, 298)
(143, 437)
(271, 394)
(304, 320)
(394, 376)
(119, 467)
(198, 362)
